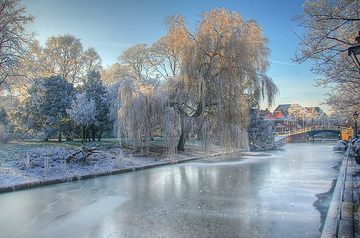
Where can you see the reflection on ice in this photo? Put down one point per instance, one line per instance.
(230, 160)
(76, 222)
(268, 194)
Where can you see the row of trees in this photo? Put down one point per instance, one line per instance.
(53, 105)
(190, 82)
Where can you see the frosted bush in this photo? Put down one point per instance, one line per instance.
(43, 157)
(96, 167)
(27, 161)
(63, 165)
(118, 161)
(46, 166)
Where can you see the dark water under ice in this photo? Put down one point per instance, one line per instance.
(266, 194)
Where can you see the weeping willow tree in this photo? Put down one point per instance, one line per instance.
(210, 76)
(140, 113)
(223, 70)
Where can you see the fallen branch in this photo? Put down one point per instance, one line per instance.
(85, 149)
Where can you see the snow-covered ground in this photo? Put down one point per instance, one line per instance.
(29, 164)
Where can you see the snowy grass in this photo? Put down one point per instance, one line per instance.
(30, 163)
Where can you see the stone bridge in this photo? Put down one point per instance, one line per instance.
(308, 133)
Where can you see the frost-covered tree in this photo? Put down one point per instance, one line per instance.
(4, 118)
(62, 55)
(4, 121)
(164, 58)
(115, 73)
(13, 38)
(330, 28)
(208, 77)
(137, 58)
(65, 54)
(92, 60)
(37, 63)
(262, 135)
(298, 112)
(223, 66)
(140, 114)
(82, 112)
(49, 98)
(95, 91)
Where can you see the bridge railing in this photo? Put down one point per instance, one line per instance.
(319, 128)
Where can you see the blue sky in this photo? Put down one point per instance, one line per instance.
(112, 26)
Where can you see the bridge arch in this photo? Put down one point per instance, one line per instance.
(312, 133)
(305, 134)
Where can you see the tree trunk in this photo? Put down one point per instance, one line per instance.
(100, 134)
(85, 149)
(59, 139)
(181, 144)
(83, 136)
(87, 134)
(93, 133)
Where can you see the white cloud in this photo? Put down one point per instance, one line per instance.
(284, 63)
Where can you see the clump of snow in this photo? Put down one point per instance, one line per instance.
(26, 164)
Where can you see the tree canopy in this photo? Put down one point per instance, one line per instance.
(223, 70)
(49, 99)
(330, 28)
(13, 38)
(208, 77)
(197, 82)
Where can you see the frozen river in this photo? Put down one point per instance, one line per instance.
(267, 194)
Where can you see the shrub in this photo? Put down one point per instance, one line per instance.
(4, 137)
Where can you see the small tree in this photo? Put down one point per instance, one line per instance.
(82, 112)
(261, 134)
(298, 112)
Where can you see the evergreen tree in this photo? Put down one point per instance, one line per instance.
(95, 91)
(49, 99)
(261, 134)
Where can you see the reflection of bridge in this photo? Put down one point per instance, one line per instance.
(305, 134)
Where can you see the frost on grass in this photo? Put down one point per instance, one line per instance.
(28, 163)
(25, 163)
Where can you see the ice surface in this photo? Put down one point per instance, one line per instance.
(259, 195)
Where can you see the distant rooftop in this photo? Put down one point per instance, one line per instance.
(317, 109)
(282, 107)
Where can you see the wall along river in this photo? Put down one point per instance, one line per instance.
(284, 193)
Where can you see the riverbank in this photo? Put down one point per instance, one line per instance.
(32, 164)
(343, 217)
